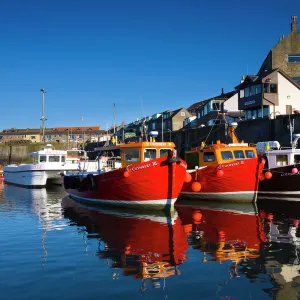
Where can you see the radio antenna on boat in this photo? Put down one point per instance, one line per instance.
(114, 118)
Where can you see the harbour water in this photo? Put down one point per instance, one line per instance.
(52, 247)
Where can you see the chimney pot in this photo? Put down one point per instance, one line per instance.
(294, 25)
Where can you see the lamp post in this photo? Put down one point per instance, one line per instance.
(162, 127)
(43, 119)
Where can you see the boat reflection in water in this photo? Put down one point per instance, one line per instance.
(147, 246)
(223, 231)
(281, 255)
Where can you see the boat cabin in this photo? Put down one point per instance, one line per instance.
(276, 156)
(218, 153)
(135, 152)
(48, 155)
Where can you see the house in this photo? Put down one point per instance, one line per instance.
(168, 120)
(275, 89)
(59, 134)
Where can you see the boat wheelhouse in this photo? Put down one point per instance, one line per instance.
(223, 171)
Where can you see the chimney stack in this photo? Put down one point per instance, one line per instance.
(294, 25)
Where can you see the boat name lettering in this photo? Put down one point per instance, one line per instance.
(144, 166)
(232, 164)
(289, 174)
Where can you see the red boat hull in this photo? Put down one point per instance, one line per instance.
(239, 182)
(155, 184)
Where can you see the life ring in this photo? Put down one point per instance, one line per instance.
(91, 182)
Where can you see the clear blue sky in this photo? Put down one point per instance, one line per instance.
(91, 54)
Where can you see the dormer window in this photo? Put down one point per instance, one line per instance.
(294, 58)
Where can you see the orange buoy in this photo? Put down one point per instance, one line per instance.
(261, 177)
(220, 173)
(294, 170)
(196, 186)
(197, 216)
(268, 175)
(188, 177)
(126, 174)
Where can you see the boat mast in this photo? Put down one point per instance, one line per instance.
(43, 115)
(114, 118)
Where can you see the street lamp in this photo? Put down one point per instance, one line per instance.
(43, 119)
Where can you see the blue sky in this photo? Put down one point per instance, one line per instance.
(145, 56)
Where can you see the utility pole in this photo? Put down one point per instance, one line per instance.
(114, 118)
(43, 115)
(162, 127)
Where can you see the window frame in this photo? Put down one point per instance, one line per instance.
(234, 152)
(211, 153)
(146, 149)
(226, 151)
(248, 151)
(128, 149)
(55, 161)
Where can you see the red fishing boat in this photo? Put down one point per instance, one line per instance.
(232, 233)
(1, 174)
(145, 245)
(145, 175)
(219, 171)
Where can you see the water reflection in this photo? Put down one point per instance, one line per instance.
(147, 246)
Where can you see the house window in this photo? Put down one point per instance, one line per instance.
(273, 88)
(182, 113)
(216, 105)
(205, 110)
(252, 90)
(259, 113)
(242, 93)
(258, 89)
(153, 126)
(209, 156)
(266, 111)
(294, 58)
(198, 115)
(32, 137)
(239, 154)
(266, 88)
(249, 114)
(63, 159)
(132, 155)
(247, 92)
(281, 160)
(254, 113)
(296, 79)
(149, 154)
(226, 155)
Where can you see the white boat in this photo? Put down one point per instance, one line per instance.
(47, 166)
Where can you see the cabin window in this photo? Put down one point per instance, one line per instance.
(43, 158)
(281, 160)
(132, 155)
(53, 158)
(297, 159)
(63, 159)
(164, 152)
(250, 154)
(238, 154)
(192, 160)
(226, 155)
(149, 154)
(208, 156)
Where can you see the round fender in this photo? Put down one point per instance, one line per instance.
(91, 182)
